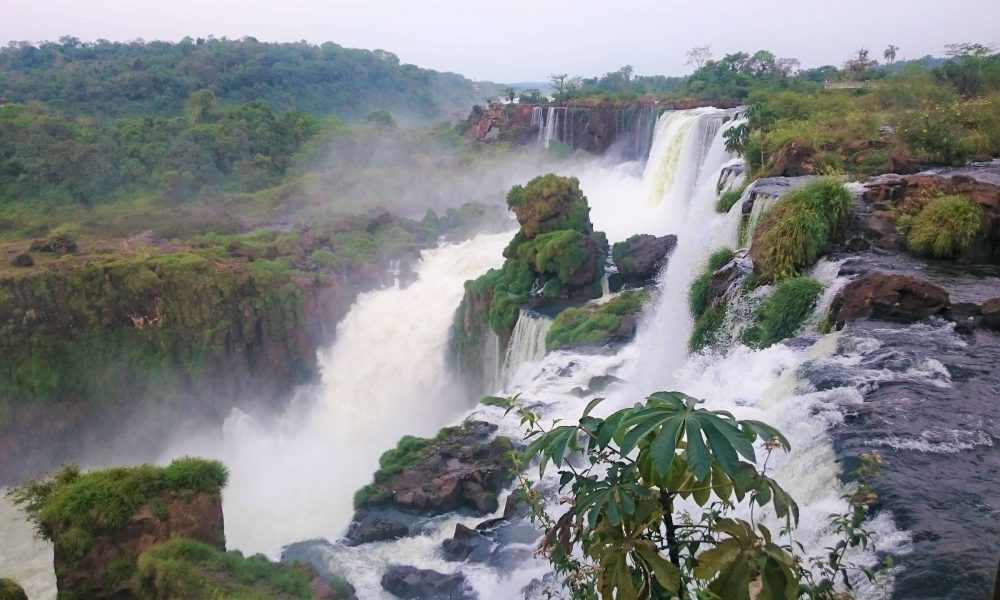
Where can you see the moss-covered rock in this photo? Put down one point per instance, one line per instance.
(100, 522)
(550, 203)
(597, 324)
(555, 255)
(463, 466)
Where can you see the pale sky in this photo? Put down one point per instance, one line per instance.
(517, 40)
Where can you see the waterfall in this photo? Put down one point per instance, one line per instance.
(538, 120)
(527, 343)
(385, 376)
(550, 126)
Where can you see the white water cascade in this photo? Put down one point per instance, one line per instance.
(384, 377)
(527, 343)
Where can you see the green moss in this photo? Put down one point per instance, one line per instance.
(593, 323)
(11, 590)
(706, 328)
(785, 311)
(323, 257)
(183, 568)
(553, 202)
(563, 254)
(945, 227)
(793, 233)
(729, 198)
(69, 507)
(698, 299)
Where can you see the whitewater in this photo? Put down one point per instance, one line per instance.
(386, 375)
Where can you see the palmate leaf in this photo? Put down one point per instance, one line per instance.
(710, 436)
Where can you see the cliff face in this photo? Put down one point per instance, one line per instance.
(581, 126)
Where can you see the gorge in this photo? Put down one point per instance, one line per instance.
(834, 394)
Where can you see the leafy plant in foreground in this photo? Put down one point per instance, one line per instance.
(625, 535)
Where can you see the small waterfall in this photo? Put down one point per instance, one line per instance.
(527, 343)
(550, 126)
(491, 360)
(538, 120)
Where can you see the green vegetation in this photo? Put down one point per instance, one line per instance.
(945, 226)
(593, 323)
(71, 508)
(793, 233)
(550, 203)
(624, 536)
(11, 590)
(183, 568)
(785, 311)
(730, 197)
(706, 328)
(698, 295)
(156, 78)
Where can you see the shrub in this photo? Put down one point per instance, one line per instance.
(792, 234)
(729, 198)
(322, 257)
(784, 312)
(11, 590)
(706, 328)
(69, 506)
(698, 294)
(183, 568)
(945, 227)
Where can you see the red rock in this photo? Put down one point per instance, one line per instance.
(890, 297)
(794, 159)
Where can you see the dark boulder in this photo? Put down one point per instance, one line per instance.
(731, 274)
(889, 297)
(467, 544)
(22, 260)
(370, 527)
(966, 316)
(641, 257)
(795, 159)
(411, 583)
(990, 311)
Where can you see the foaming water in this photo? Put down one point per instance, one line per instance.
(384, 377)
(527, 343)
(22, 557)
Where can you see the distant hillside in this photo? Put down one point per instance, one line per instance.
(156, 78)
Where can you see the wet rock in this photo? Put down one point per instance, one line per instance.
(615, 282)
(980, 182)
(641, 257)
(990, 311)
(890, 297)
(461, 468)
(467, 544)
(22, 260)
(411, 583)
(730, 275)
(599, 383)
(966, 316)
(370, 527)
(794, 159)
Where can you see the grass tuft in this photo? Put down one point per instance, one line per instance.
(945, 227)
(785, 311)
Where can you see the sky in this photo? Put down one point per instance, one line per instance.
(517, 40)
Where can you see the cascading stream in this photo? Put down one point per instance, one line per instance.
(527, 343)
(384, 377)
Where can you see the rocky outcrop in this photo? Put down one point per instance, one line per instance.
(885, 195)
(795, 159)
(888, 296)
(641, 257)
(990, 311)
(462, 468)
(59, 244)
(411, 583)
(373, 527)
(467, 544)
(22, 260)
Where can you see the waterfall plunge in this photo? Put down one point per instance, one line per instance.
(527, 343)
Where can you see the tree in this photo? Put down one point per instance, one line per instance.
(381, 119)
(558, 82)
(697, 57)
(510, 93)
(860, 63)
(531, 96)
(890, 53)
(638, 463)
